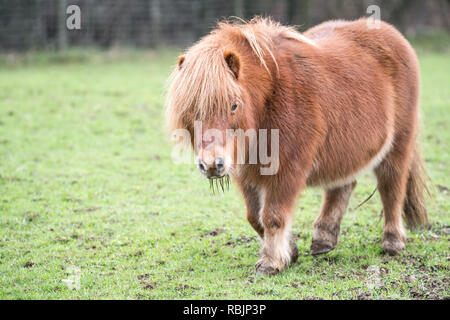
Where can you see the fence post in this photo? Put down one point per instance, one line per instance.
(62, 28)
(155, 15)
(239, 8)
(298, 13)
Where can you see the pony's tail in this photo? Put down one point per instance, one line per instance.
(415, 211)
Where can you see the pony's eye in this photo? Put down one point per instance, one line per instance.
(234, 107)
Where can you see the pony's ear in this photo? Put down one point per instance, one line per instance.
(180, 62)
(232, 61)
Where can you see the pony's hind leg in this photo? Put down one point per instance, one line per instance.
(327, 224)
(392, 175)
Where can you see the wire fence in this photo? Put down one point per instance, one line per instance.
(42, 24)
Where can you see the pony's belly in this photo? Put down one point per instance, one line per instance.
(329, 176)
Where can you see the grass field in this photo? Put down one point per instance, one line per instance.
(92, 206)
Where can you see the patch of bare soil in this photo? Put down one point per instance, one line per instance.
(425, 283)
(364, 295)
(89, 209)
(242, 239)
(443, 189)
(145, 283)
(213, 233)
(430, 288)
(184, 286)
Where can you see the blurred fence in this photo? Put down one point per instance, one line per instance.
(41, 24)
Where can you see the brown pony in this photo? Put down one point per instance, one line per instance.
(344, 97)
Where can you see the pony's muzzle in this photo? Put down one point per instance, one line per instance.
(213, 169)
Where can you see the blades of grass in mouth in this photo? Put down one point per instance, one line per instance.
(211, 185)
(220, 183)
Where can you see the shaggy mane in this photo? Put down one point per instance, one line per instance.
(203, 85)
(259, 33)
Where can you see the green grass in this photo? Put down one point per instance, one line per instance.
(87, 182)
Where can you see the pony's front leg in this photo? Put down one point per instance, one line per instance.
(278, 249)
(253, 200)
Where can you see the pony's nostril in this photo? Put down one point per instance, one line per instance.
(219, 164)
(201, 166)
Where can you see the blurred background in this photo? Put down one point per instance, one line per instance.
(41, 24)
(88, 183)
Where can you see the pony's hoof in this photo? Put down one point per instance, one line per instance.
(392, 245)
(320, 247)
(324, 238)
(265, 267)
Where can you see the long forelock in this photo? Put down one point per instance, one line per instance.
(203, 88)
